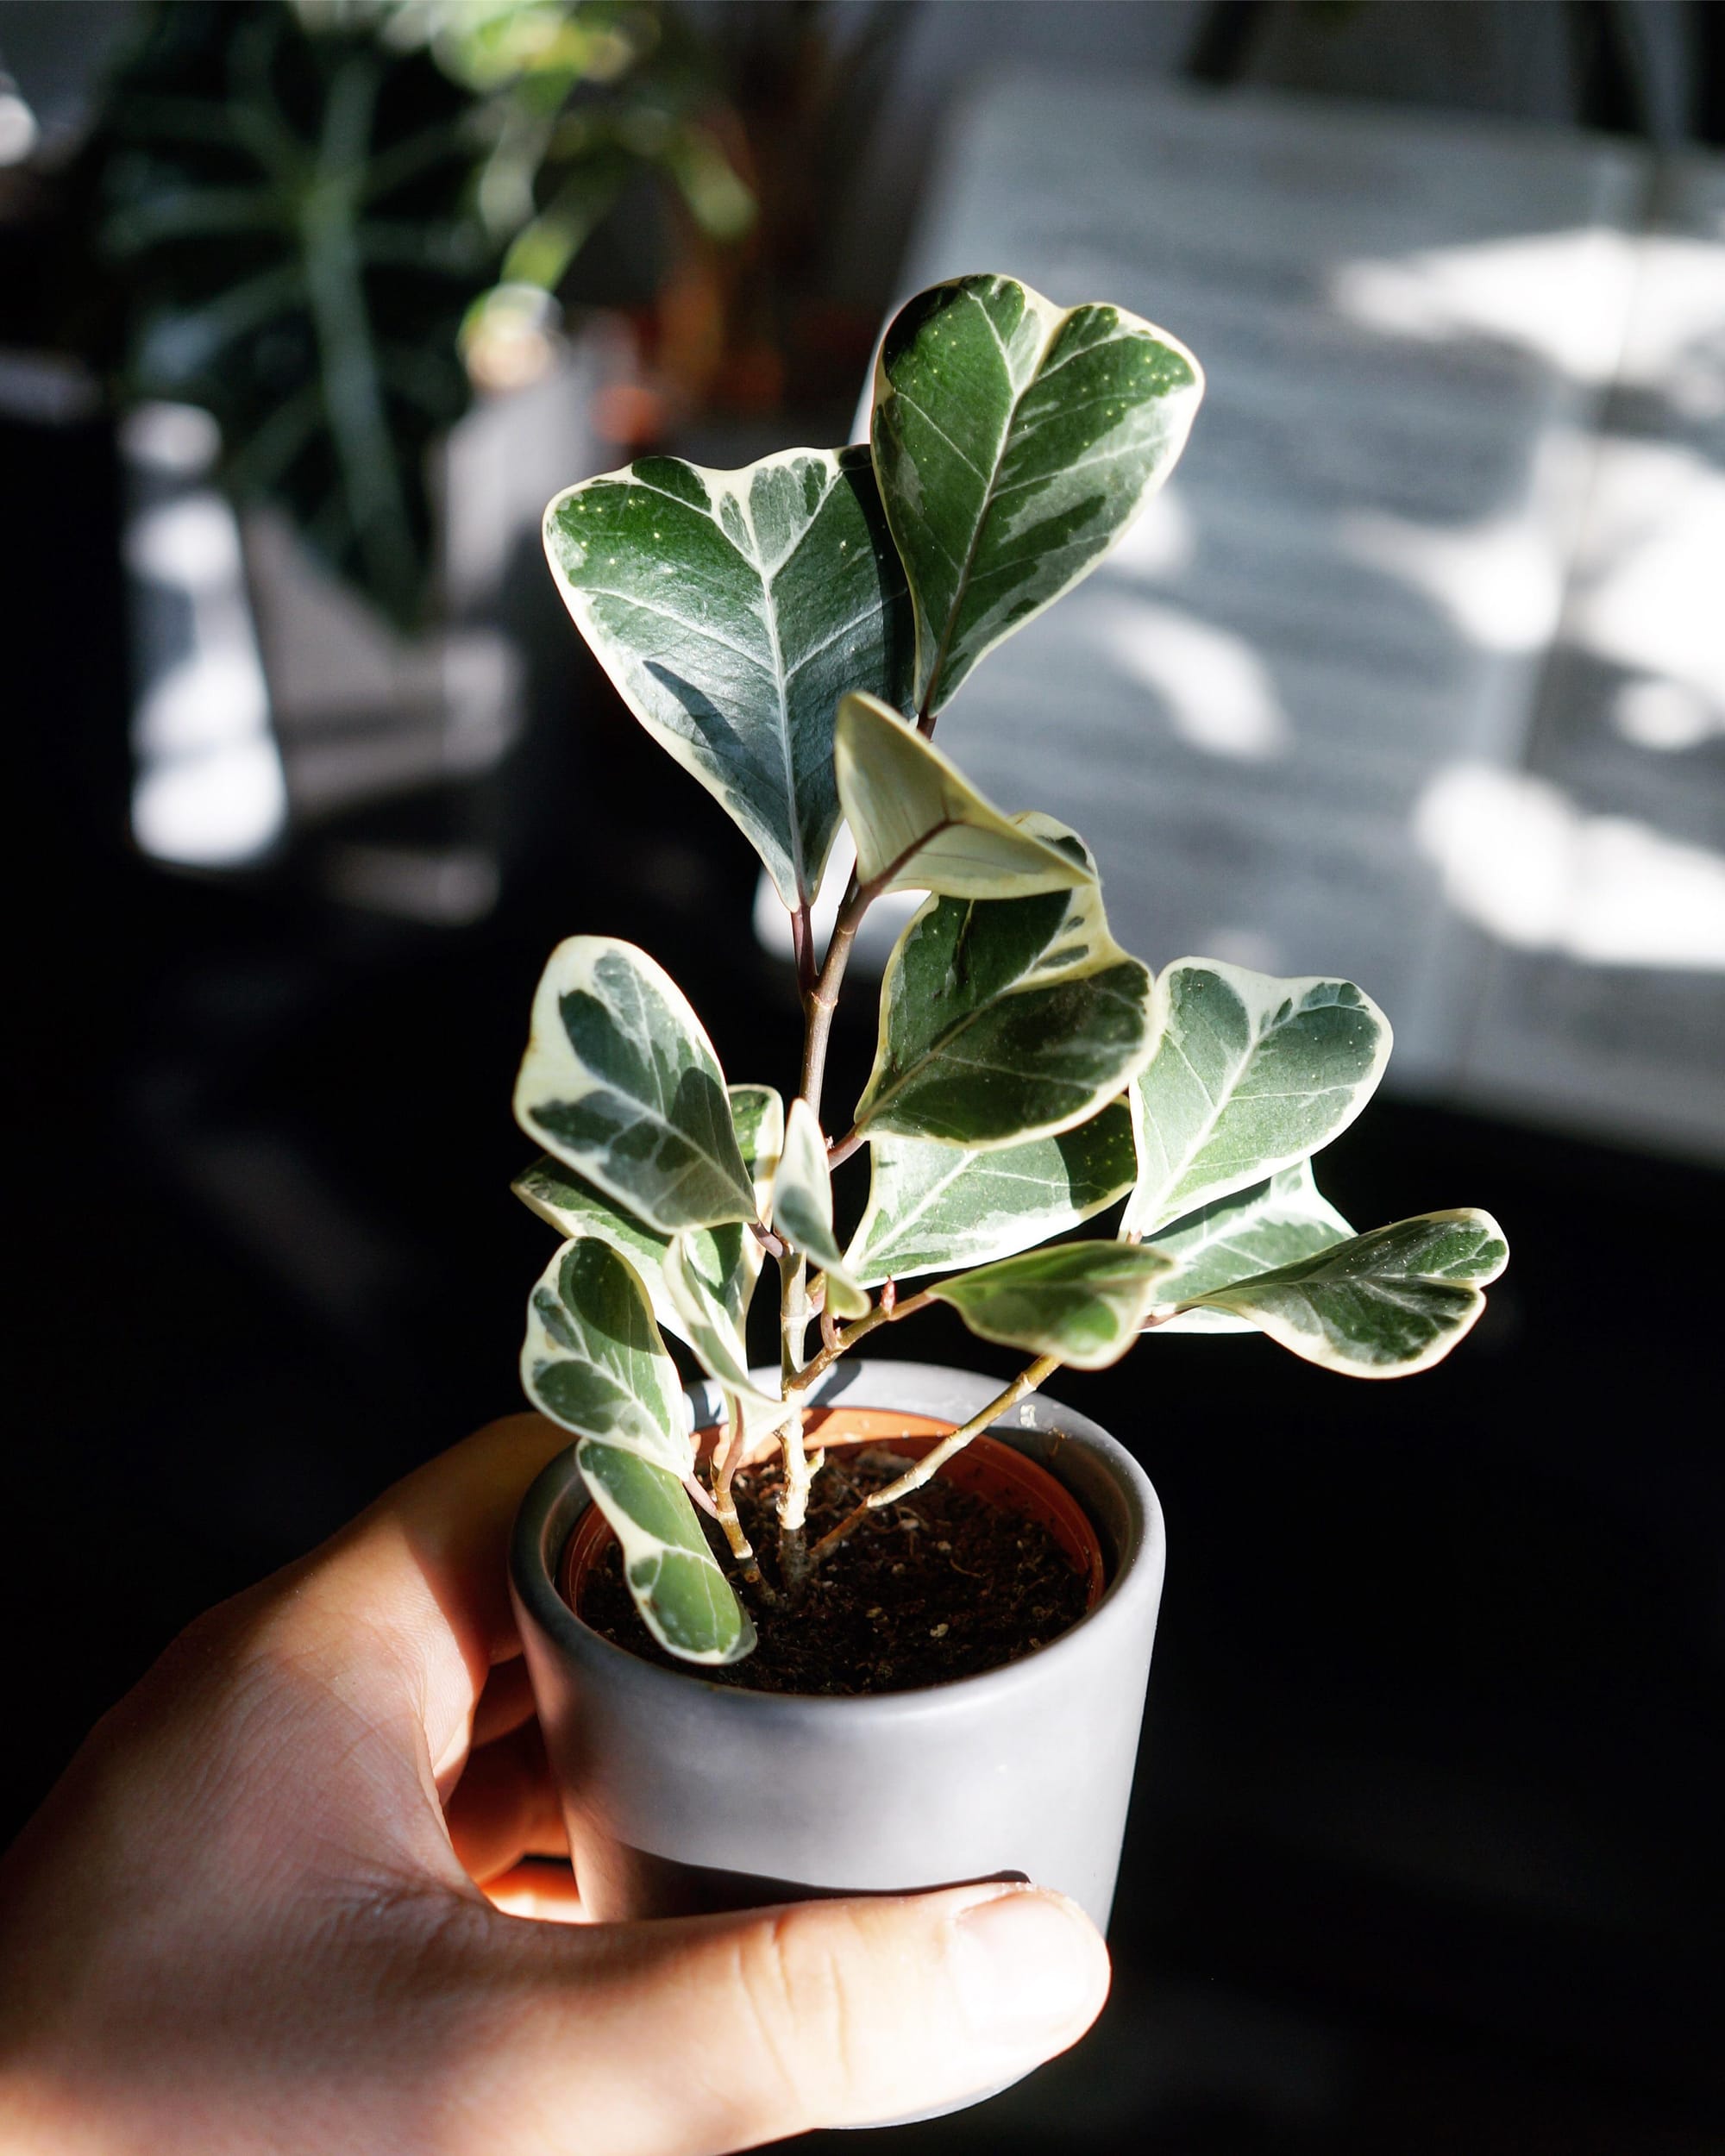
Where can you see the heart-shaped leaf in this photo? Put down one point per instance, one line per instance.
(1015, 441)
(733, 610)
(729, 1253)
(920, 825)
(620, 1082)
(802, 1209)
(1005, 1019)
(1084, 1302)
(1382, 1304)
(1252, 1230)
(593, 1359)
(1250, 1074)
(686, 1601)
(930, 1206)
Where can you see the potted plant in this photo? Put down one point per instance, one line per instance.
(813, 1630)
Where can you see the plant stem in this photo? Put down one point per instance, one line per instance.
(841, 1149)
(727, 1457)
(936, 1457)
(846, 1337)
(793, 1382)
(821, 1000)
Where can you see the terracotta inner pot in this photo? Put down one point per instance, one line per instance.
(994, 1471)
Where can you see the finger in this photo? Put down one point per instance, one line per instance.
(693, 2036)
(423, 1572)
(546, 1892)
(504, 1704)
(505, 1807)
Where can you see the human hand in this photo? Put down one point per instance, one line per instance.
(282, 1900)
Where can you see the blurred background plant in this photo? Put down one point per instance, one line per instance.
(332, 221)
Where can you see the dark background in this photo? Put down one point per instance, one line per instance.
(1425, 1852)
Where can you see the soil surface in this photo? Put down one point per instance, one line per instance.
(943, 1585)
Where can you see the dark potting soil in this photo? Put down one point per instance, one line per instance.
(943, 1585)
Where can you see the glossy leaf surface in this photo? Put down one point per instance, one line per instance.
(683, 1598)
(620, 1082)
(930, 1206)
(1251, 1231)
(1084, 1302)
(1015, 441)
(712, 1302)
(594, 1361)
(919, 823)
(729, 1253)
(802, 1209)
(732, 610)
(1382, 1304)
(1003, 1019)
(1250, 1074)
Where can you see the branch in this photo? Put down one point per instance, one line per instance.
(937, 1456)
(839, 1149)
(846, 1337)
(773, 1244)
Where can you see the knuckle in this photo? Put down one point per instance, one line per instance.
(796, 1977)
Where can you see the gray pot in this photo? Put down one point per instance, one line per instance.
(683, 1796)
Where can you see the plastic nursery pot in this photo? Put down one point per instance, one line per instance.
(994, 1471)
(683, 1796)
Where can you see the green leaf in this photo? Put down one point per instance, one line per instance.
(1250, 1074)
(757, 1114)
(289, 211)
(930, 1206)
(730, 1253)
(733, 610)
(621, 1084)
(1382, 1304)
(802, 1209)
(1014, 442)
(683, 1598)
(1085, 1302)
(1003, 1019)
(919, 823)
(711, 1296)
(1270, 1224)
(593, 1359)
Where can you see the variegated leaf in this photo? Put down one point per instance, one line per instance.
(685, 1600)
(757, 1115)
(1251, 1231)
(594, 1361)
(712, 1302)
(1382, 1304)
(1015, 441)
(732, 610)
(802, 1209)
(920, 825)
(1084, 1302)
(558, 1195)
(1250, 1074)
(931, 1207)
(620, 1082)
(1003, 1019)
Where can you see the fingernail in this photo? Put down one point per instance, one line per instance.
(1026, 1963)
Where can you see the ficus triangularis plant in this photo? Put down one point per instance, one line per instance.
(791, 633)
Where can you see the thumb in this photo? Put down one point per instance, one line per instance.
(693, 2036)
